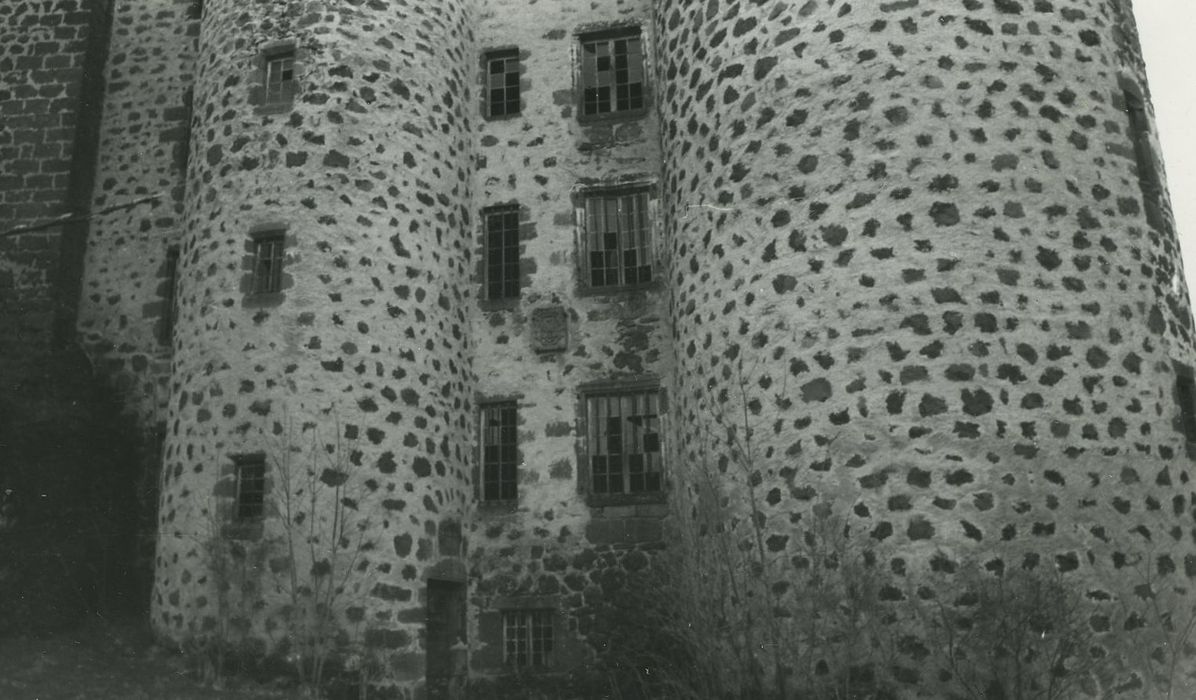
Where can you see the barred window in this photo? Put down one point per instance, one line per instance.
(267, 262)
(612, 73)
(623, 441)
(618, 238)
(251, 488)
(280, 77)
(502, 251)
(527, 638)
(500, 451)
(502, 83)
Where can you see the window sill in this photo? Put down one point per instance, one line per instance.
(258, 301)
(612, 117)
(619, 290)
(242, 530)
(502, 117)
(508, 304)
(600, 500)
(498, 508)
(274, 107)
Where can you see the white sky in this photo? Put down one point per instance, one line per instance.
(1168, 32)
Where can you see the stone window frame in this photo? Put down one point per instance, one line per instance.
(1146, 160)
(236, 524)
(483, 404)
(504, 53)
(537, 619)
(169, 291)
(619, 387)
(582, 193)
(258, 84)
(489, 252)
(491, 630)
(250, 261)
(1184, 392)
(527, 231)
(611, 31)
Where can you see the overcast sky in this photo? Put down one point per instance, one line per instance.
(1166, 29)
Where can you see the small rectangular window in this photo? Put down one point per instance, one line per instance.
(267, 262)
(612, 73)
(527, 638)
(623, 441)
(500, 451)
(618, 239)
(501, 233)
(280, 77)
(169, 296)
(251, 488)
(502, 83)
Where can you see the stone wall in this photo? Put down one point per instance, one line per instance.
(361, 362)
(909, 253)
(551, 548)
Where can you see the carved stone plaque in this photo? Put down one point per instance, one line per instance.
(550, 329)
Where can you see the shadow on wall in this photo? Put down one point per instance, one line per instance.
(70, 507)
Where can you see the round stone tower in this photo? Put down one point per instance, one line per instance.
(924, 275)
(320, 348)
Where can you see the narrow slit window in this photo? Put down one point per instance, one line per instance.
(502, 83)
(1185, 397)
(267, 263)
(618, 239)
(280, 77)
(251, 488)
(1145, 161)
(623, 439)
(170, 293)
(612, 73)
(501, 234)
(527, 638)
(500, 451)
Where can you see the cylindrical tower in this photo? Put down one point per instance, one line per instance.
(322, 378)
(923, 274)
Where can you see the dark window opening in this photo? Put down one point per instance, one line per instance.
(195, 10)
(170, 296)
(502, 252)
(1185, 396)
(500, 451)
(527, 638)
(502, 83)
(618, 240)
(623, 441)
(612, 73)
(267, 263)
(280, 77)
(251, 488)
(1144, 158)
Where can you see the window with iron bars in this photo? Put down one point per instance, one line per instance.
(501, 233)
(612, 73)
(623, 441)
(500, 451)
(618, 238)
(251, 488)
(502, 83)
(267, 262)
(527, 638)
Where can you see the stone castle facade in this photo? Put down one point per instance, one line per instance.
(510, 275)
